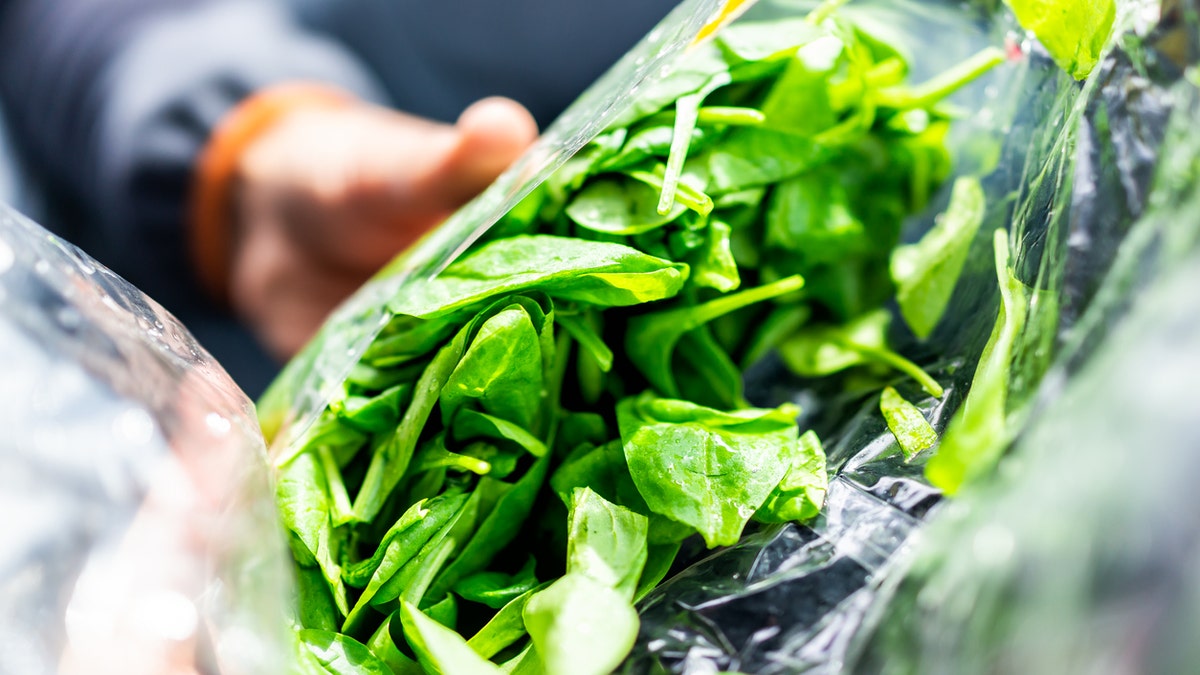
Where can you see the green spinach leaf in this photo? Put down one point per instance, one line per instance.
(705, 468)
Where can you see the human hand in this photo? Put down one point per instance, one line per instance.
(328, 195)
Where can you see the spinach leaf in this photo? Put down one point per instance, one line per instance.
(907, 424)
(501, 371)
(341, 655)
(799, 101)
(687, 111)
(757, 41)
(702, 467)
(713, 265)
(606, 542)
(504, 629)
(659, 558)
(434, 455)
(1073, 31)
(497, 529)
(582, 332)
(469, 424)
(383, 645)
(753, 156)
(579, 626)
(391, 458)
(440, 649)
(801, 493)
(304, 505)
(598, 273)
(375, 414)
(651, 338)
(497, 589)
(407, 339)
(314, 602)
(824, 349)
(359, 574)
(440, 516)
(925, 272)
(977, 435)
(810, 217)
(623, 207)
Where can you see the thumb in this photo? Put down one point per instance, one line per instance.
(492, 134)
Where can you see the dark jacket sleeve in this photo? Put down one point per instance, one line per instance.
(112, 100)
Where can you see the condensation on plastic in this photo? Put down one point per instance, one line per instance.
(312, 379)
(139, 533)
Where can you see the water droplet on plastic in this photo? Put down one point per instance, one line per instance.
(217, 424)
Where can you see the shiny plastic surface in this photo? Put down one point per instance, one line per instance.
(1080, 556)
(1068, 170)
(139, 534)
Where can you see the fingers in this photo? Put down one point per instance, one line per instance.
(329, 196)
(493, 133)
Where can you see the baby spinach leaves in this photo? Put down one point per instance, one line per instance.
(586, 358)
(977, 435)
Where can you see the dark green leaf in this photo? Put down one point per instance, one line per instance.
(470, 425)
(376, 414)
(497, 589)
(713, 265)
(504, 629)
(498, 528)
(405, 546)
(823, 350)
(391, 458)
(810, 217)
(501, 371)
(439, 649)
(752, 157)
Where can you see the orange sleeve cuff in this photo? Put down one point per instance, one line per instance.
(209, 233)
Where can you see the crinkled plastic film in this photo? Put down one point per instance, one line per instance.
(1020, 577)
(140, 535)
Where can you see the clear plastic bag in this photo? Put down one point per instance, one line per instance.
(140, 535)
(1067, 168)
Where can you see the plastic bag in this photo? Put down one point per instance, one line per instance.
(1083, 555)
(1066, 170)
(139, 532)
(1069, 563)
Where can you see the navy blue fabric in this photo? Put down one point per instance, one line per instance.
(111, 100)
